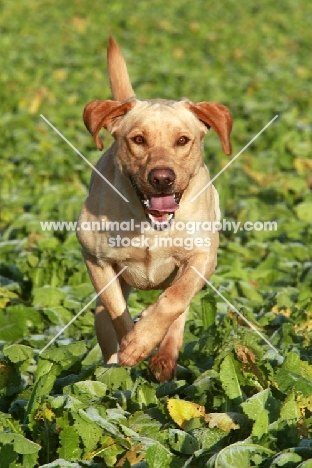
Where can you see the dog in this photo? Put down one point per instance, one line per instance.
(148, 177)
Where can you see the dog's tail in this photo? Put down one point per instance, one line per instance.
(118, 73)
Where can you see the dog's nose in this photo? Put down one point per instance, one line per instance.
(161, 178)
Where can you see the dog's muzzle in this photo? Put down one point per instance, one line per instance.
(159, 207)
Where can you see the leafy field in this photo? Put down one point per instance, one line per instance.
(234, 402)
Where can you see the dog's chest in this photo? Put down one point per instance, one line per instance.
(147, 267)
(150, 274)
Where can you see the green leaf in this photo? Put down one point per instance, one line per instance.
(58, 315)
(21, 445)
(229, 378)
(10, 379)
(239, 455)
(157, 456)
(89, 431)
(144, 424)
(111, 429)
(144, 393)
(88, 387)
(208, 438)
(290, 460)
(30, 460)
(170, 388)
(295, 374)
(305, 464)
(93, 356)
(109, 451)
(290, 409)
(48, 296)
(18, 353)
(65, 355)
(209, 310)
(8, 455)
(261, 425)
(255, 405)
(15, 322)
(249, 291)
(115, 377)
(61, 463)
(288, 380)
(69, 448)
(46, 375)
(183, 442)
(304, 211)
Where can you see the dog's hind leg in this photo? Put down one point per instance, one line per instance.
(163, 364)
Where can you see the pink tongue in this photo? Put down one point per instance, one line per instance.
(162, 204)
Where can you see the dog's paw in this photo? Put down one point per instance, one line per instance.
(139, 342)
(132, 351)
(163, 367)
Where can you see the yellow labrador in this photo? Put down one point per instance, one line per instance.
(136, 220)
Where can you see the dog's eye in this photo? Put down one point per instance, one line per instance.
(138, 140)
(182, 141)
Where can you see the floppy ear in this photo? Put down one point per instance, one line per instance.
(216, 116)
(98, 114)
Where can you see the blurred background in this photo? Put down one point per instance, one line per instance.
(254, 57)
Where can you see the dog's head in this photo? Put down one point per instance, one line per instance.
(158, 142)
(158, 145)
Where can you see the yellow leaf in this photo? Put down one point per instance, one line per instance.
(36, 100)
(165, 25)
(262, 178)
(303, 72)
(303, 165)
(79, 24)
(222, 421)
(4, 302)
(183, 411)
(178, 52)
(6, 370)
(72, 99)
(286, 311)
(304, 403)
(133, 456)
(194, 26)
(6, 296)
(60, 74)
(48, 414)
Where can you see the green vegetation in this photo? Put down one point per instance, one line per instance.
(249, 407)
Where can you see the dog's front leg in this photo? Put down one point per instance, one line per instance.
(104, 327)
(156, 320)
(163, 364)
(105, 333)
(112, 318)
